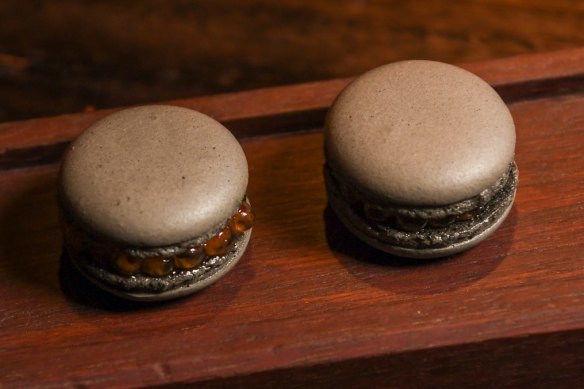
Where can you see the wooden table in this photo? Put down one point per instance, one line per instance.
(309, 305)
(63, 56)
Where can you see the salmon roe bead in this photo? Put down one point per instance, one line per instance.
(443, 222)
(218, 244)
(190, 259)
(466, 215)
(409, 224)
(242, 220)
(157, 266)
(127, 264)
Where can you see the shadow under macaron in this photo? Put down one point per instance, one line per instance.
(79, 290)
(417, 276)
(30, 236)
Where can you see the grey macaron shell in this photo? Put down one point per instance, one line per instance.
(181, 291)
(154, 176)
(359, 228)
(420, 133)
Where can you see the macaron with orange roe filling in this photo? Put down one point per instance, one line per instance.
(153, 202)
(420, 159)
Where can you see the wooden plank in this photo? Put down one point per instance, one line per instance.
(289, 108)
(64, 56)
(309, 304)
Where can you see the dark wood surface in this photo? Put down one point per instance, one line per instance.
(309, 305)
(65, 56)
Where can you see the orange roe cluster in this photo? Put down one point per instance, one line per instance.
(218, 245)
(158, 266)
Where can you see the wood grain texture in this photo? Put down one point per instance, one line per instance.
(309, 305)
(64, 56)
(264, 111)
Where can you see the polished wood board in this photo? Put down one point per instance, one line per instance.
(64, 56)
(308, 304)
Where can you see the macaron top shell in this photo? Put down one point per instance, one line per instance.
(154, 176)
(420, 133)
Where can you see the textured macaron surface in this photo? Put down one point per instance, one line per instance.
(420, 133)
(154, 176)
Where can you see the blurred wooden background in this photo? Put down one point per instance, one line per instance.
(64, 56)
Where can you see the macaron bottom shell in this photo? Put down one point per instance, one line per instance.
(428, 253)
(429, 242)
(190, 282)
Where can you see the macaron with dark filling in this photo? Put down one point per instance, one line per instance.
(420, 159)
(153, 202)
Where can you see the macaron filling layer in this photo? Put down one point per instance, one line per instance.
(421, 227)
(141, 268)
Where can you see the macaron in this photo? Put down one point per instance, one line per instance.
(153, 202)
(420, 159)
